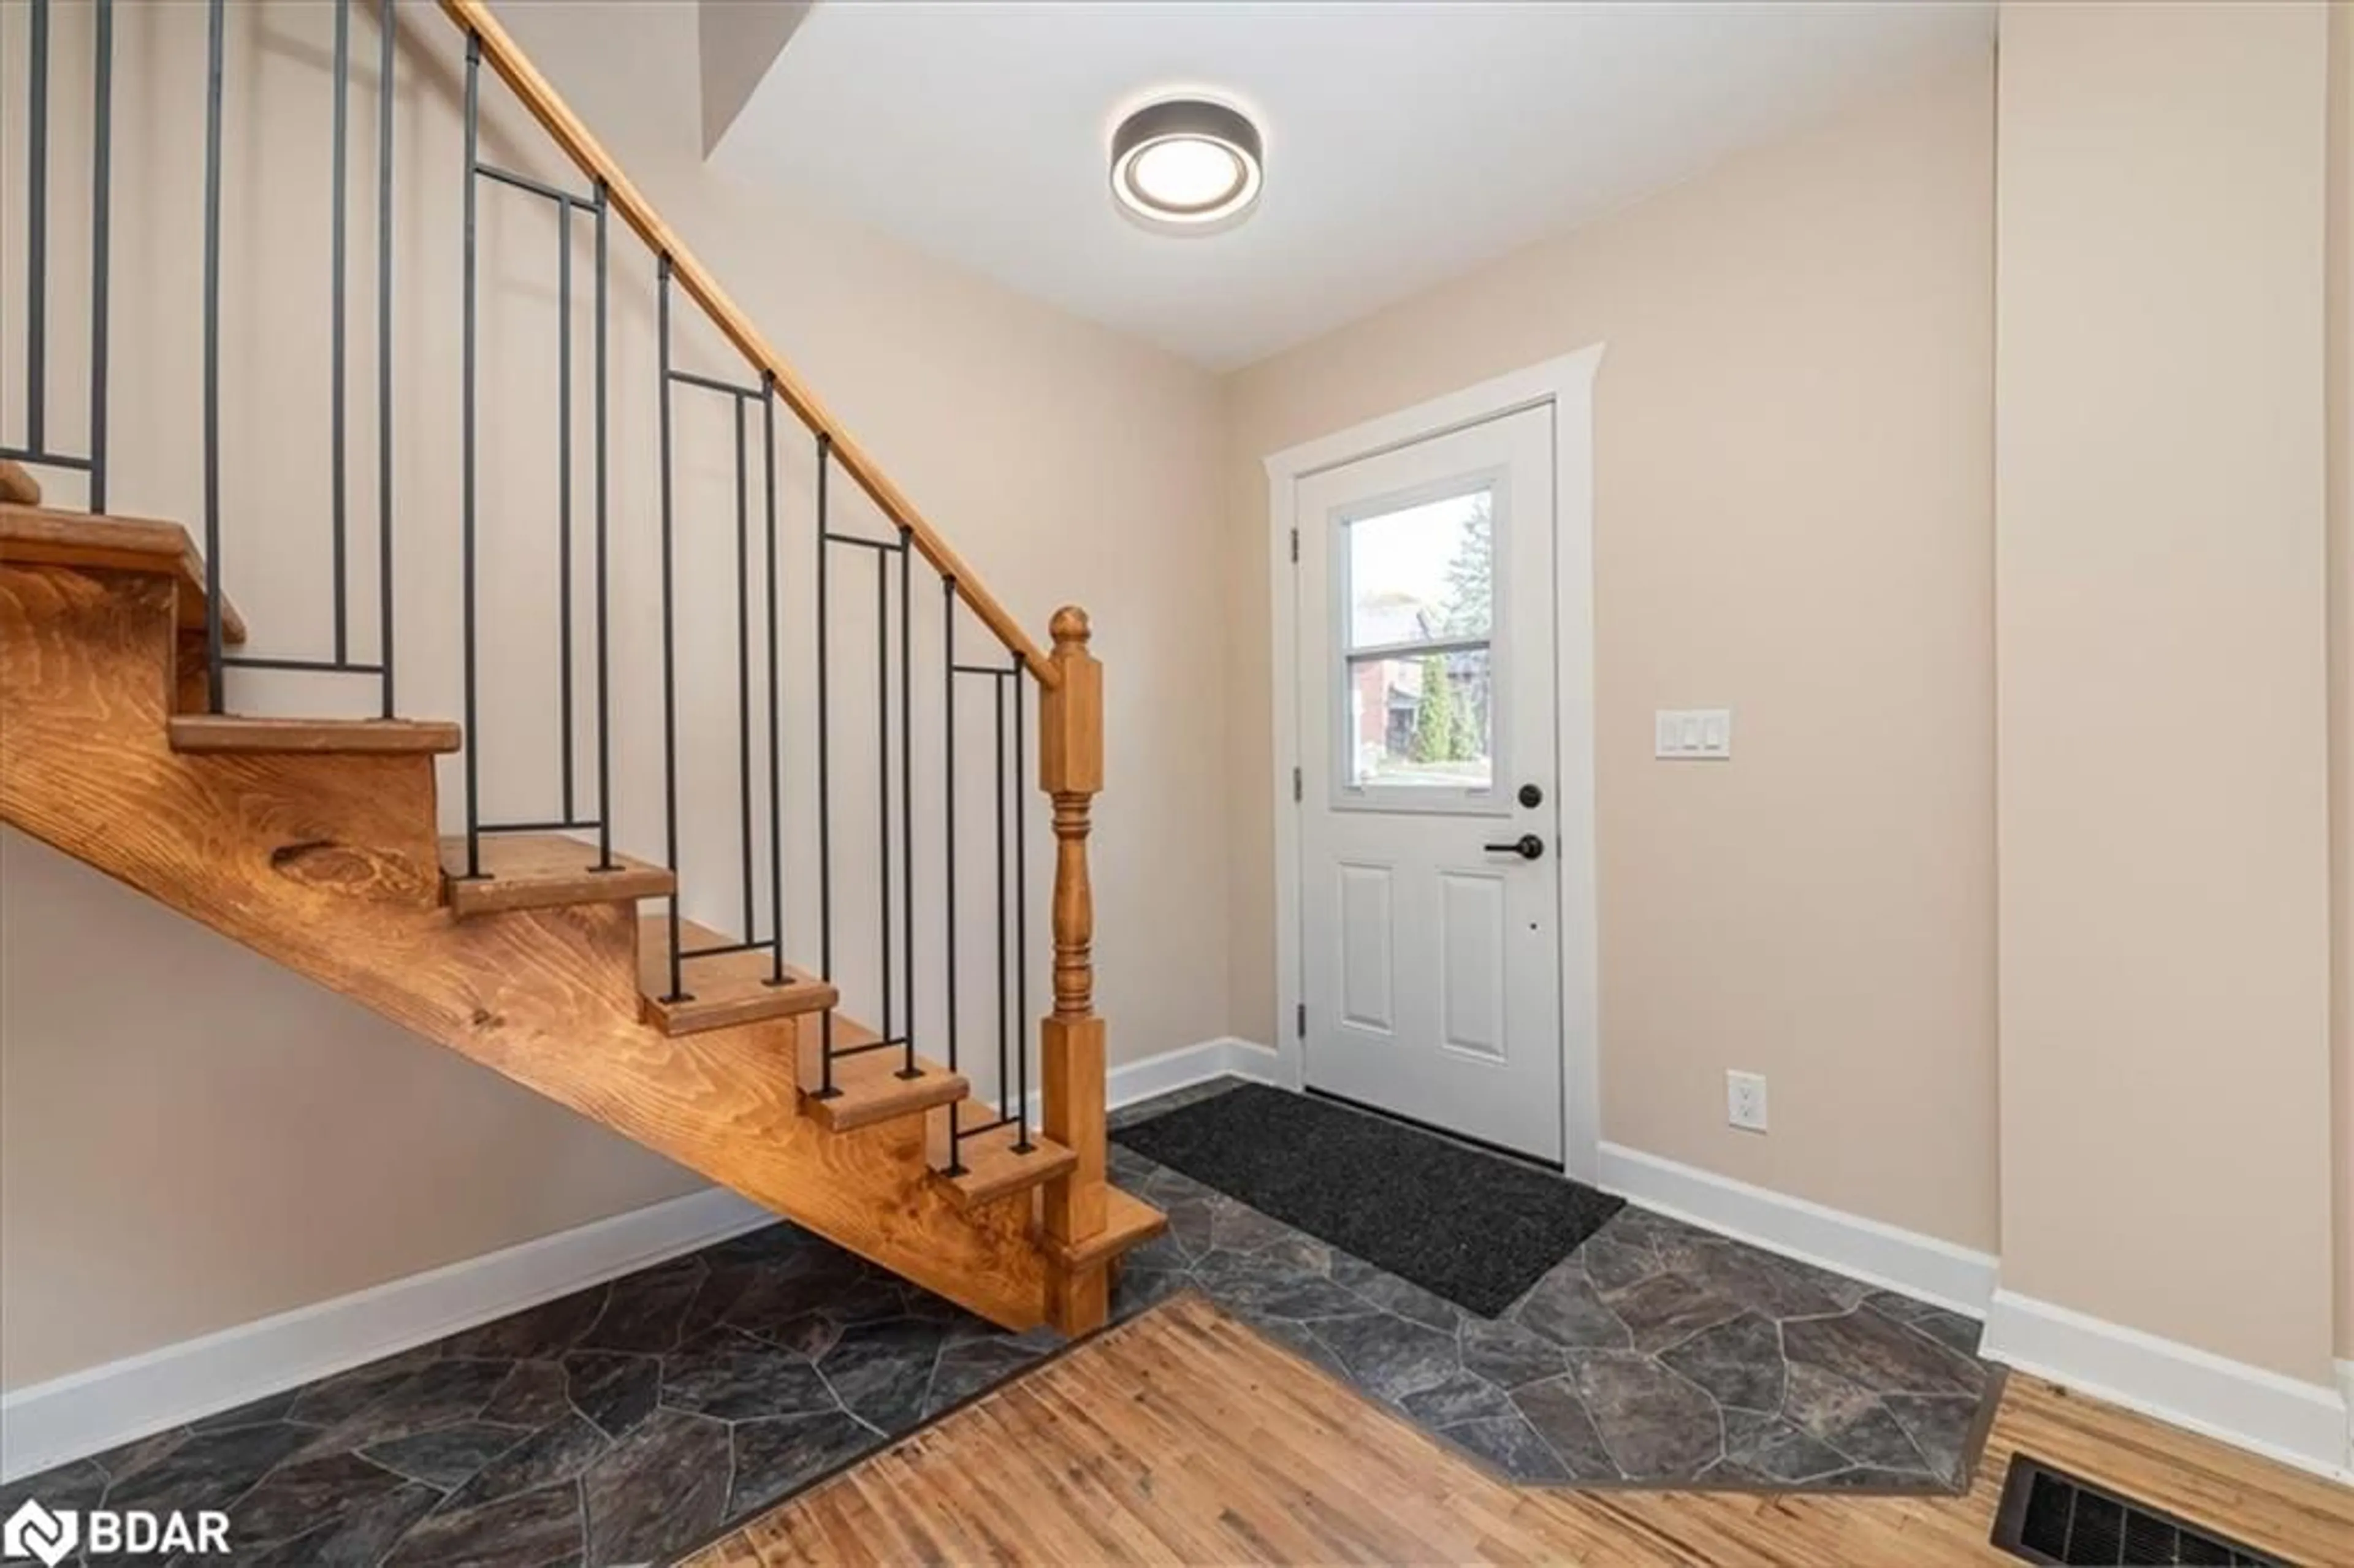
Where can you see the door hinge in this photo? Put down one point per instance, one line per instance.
(1303, 1021)
(1295, 546)
(1299, 786)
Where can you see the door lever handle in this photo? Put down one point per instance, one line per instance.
(1528, 846)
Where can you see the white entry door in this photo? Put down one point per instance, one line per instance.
(1429, 847)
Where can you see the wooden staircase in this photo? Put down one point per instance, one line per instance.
(315, 842)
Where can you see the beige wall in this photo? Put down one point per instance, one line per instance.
(737, 41)
(191, 1138)
(1793, 453)
(2161, 666)
(194, 1138)
(2340, 394)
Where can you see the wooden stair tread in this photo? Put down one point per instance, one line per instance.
(542, 871)
(43, 536)
(993, 1170)
(1128, 1221)
(868, 1087)
(723, 988)
(17, 487)
(232, 733)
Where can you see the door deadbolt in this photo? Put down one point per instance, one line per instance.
(1531, 796)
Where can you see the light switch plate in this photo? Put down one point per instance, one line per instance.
(1684, 734)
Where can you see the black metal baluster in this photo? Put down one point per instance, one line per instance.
(776, 773)
(1004, 1068)
(744, 666)
(907, 1068)
(214, 49)
(826, 1089)
(101, 180)
(670, 654)
(604, 651)
(562, 495)
(712, 384)
(36, 229)
(1016, 677)
(569, 816)
(883, 771)
(466, 507)
(338, 502)
(385, 48)
(948, 797)
(3, 291)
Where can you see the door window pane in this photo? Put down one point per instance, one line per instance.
(1421, 573)
(1421, 721)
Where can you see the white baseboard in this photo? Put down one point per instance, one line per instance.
(1189, 1064)
(2345, 1393)
(2301, 1424)
(1934, 1270)
(2310, 1425)
(1226, 1057)
(88, 1412)
(91, 1411)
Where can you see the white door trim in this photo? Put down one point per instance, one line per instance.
(1566, 386)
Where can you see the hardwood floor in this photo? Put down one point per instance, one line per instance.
(1184, 1436)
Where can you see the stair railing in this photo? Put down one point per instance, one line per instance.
(489, 43)
(1069, 758)
(36, 448)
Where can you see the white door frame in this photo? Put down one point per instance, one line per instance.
(1566, 387)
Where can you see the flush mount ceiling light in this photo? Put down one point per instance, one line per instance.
(1186, 165)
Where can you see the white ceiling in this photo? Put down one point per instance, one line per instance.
(1406, 142)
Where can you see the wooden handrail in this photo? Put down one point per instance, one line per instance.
(556, 116)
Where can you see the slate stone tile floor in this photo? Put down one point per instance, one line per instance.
(635, 1420)
(1656, 1355)
(621, 1424)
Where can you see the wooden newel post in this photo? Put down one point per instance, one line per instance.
(1070, 769)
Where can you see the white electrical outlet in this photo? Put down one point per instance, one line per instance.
(1744, 1100)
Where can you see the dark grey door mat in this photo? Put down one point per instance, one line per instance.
(1474, 1228)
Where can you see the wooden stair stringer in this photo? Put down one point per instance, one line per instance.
(330, 866)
